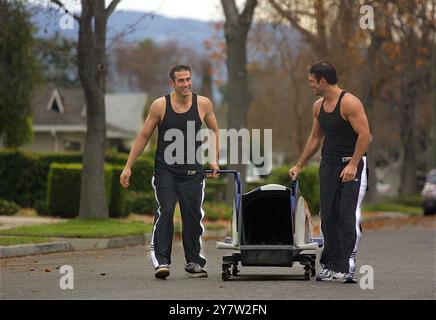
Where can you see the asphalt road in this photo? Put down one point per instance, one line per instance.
(403, 261)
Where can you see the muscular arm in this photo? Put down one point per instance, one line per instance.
(354, 112)
(143, 137)
(315, 139)
(212, 124)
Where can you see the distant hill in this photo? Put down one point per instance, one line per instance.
(135, 25)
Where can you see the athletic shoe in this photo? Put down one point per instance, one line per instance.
(195, 270)
(162, 271)
(349, 278)
(325, 275)
(338, 275)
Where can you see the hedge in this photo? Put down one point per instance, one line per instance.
(308, 183)
(117, 206)
(19, 178)
(63, 193)
(215, 190)
(24, 174)
(217, 211)
(8, 208)
(141, 202)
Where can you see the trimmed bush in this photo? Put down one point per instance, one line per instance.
(217, 211)
(141, 202)
(19, 177)
(63, 194)
(308, 183)
(215, 190)
(142, 170)
(117, 207)
(8, 208)
(24, 174)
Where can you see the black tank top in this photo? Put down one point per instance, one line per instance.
(339, 136)
(183, 161)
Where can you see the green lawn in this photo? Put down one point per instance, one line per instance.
(78, 228)
(10, 241)
(394, 207)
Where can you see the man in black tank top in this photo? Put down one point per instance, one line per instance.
(341, 125)
(178, 176)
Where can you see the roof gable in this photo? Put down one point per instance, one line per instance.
(55, 102)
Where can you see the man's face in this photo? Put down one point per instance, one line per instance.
(316, 86)
(182, 82)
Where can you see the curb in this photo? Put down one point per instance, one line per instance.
(72, 244)
(29, 249)
(82, 244)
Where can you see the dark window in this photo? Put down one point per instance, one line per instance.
(55, 106)
(72, 145)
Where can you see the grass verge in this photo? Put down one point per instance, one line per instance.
(10, 241)
(394, 207)
(79, 228)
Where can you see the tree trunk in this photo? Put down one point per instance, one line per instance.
(432, 135)
(408, 121)
(236, 29)
(91, 65)
(369, 91)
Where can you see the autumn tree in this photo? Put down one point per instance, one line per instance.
(145, 65)
(281, 96)
(411, 30)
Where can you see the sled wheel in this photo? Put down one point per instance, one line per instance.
(225, 276)
(235, 271)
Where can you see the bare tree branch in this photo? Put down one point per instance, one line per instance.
(111, 7)
(230, 10)
(247, 13)
(293, 20)
(60, 4)
(130, 29)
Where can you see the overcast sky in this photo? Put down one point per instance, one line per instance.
(193, 9)
(206, 10)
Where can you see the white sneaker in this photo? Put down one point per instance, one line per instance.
(162, 271)
(338, 275)
(325, 275)
(349, 278)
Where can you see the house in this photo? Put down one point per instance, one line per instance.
(59, 119)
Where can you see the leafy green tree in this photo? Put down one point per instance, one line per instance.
(58, 58)
(19, 74)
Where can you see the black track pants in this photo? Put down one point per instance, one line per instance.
(189, 191)
(341, 215)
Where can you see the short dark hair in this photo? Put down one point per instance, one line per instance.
(178, 67)
(324, 70)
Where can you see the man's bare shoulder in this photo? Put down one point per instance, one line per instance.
(157, 106)
(350, 98)
(351, 103)
(317, 106)
(204, 102)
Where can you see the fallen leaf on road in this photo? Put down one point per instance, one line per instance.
(47, 270)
